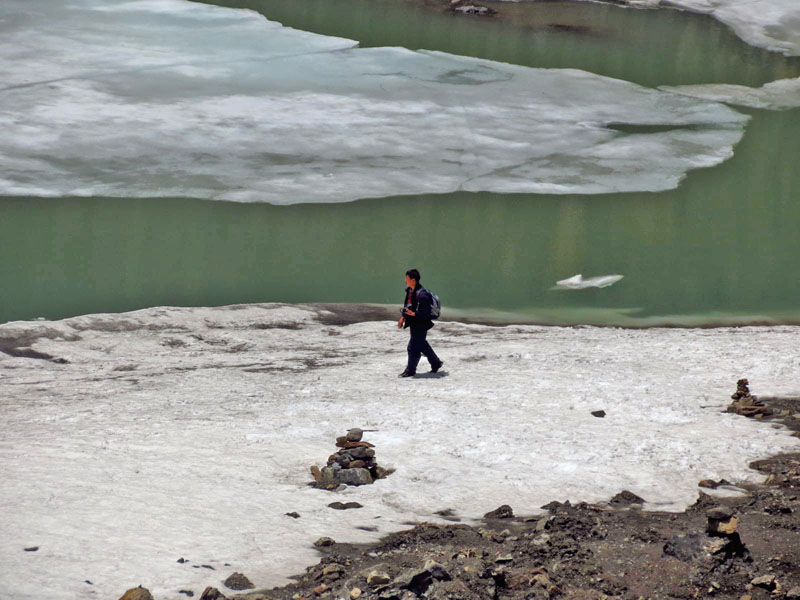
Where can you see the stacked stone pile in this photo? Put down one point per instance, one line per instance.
(353, 463)
(746, 405)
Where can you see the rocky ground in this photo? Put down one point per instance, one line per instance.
(745, 547)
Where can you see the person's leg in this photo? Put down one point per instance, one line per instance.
(431, 356)
(415, 345)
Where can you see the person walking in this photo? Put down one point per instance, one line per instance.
(416, 316)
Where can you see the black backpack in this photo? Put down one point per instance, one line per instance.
(436, 305)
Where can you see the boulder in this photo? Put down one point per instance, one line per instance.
(501, 512)
(377, 577)
(324, 542)
(767, 582)
(625, 497)
(138, 593)
(237, 581)
(355, 476)
(212, 593)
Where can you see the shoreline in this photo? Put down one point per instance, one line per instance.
(349, 313)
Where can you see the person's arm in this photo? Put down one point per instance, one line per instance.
(424, 303)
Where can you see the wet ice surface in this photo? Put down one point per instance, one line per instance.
(187, 433)
(169, 98)
(782, 94)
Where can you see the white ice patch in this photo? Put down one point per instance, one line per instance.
(187, 433)
(168, 98)
(783, 94)
(577, 282)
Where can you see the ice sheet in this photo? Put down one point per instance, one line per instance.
(782, 94)
(168, 98)
(188, 433)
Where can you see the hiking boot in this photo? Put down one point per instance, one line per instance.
(406, 374)
(435, 368)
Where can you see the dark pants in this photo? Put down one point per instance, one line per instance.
(417, 346)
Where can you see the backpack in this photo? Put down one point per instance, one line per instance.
(436, 305)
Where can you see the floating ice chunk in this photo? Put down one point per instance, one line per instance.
(577, 282)
(782, 94)
(771, 24)
(149, 99)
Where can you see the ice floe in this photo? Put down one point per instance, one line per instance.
(782, 94)
(577, 282)
(165, 98)
(771, 24)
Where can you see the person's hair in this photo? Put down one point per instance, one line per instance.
(414, 274)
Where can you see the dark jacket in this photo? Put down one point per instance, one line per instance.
(420, 304)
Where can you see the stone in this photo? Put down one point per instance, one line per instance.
(320, 589)
(211, 593)
(138, 593)
(355, 476)
(332, 572)
(357, 464)
(767, 582)
(719, 513)
(437, 570)
(351, 445)
(355, 593)
(501, 512)
(344, 505)
(354, 435)
(359, 452)
(323, 542)
(316, 473)
(470, 9)
(708, 483)
(32, 549)
(377, 577)
(723, 527)
(328, 475)
(188, 593)
(793, 594)
(450, 590)
(294, 515)
(237, 581)
(626, 497)
(599, 413)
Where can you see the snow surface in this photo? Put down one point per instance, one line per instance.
(170, 98)
(175, 433)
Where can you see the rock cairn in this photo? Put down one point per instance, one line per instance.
(745, 404)
(353, 463)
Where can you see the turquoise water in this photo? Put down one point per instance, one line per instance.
(721, 248)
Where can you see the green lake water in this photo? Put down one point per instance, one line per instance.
(721, 248)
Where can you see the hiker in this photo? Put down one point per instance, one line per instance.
(416, 315)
